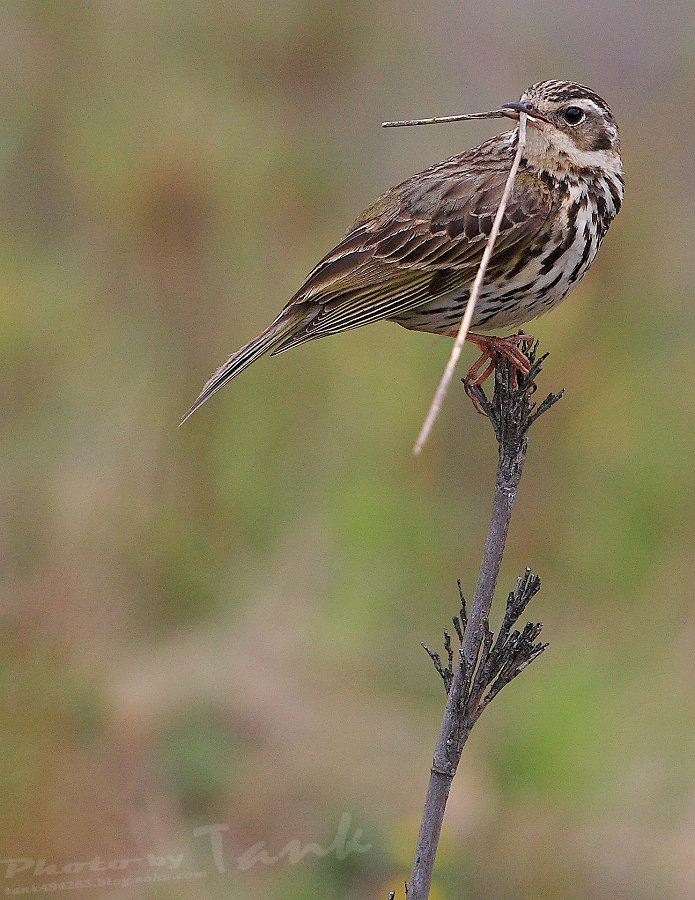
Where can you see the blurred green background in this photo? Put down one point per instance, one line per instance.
(220, 625)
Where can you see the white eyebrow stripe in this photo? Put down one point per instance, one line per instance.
(584, 103)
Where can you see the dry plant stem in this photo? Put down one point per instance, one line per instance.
(511, 414)
(436, 120)
(439, 396)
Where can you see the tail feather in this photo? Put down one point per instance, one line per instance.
(274, 335)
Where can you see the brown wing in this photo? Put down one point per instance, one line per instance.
(417, 240)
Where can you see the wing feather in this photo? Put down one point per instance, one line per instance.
(437, 222)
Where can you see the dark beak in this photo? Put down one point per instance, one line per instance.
(516, 108)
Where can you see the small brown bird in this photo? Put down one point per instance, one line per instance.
(412, 256)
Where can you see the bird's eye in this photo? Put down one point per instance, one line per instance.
(573, 115)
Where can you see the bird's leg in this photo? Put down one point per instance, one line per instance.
(492, 348)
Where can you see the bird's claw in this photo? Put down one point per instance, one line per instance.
(494, 348)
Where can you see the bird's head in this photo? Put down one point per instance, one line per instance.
(572, 128)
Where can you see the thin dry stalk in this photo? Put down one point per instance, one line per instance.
(439, 396)
(436, 120)
(483, 666)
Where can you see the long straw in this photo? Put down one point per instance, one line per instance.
(440, 394)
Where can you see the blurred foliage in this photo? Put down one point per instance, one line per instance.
(221, 624)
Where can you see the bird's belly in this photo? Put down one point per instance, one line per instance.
(520, 293)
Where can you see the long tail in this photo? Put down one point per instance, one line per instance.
(275, 334)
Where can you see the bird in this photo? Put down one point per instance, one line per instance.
(411, 257)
